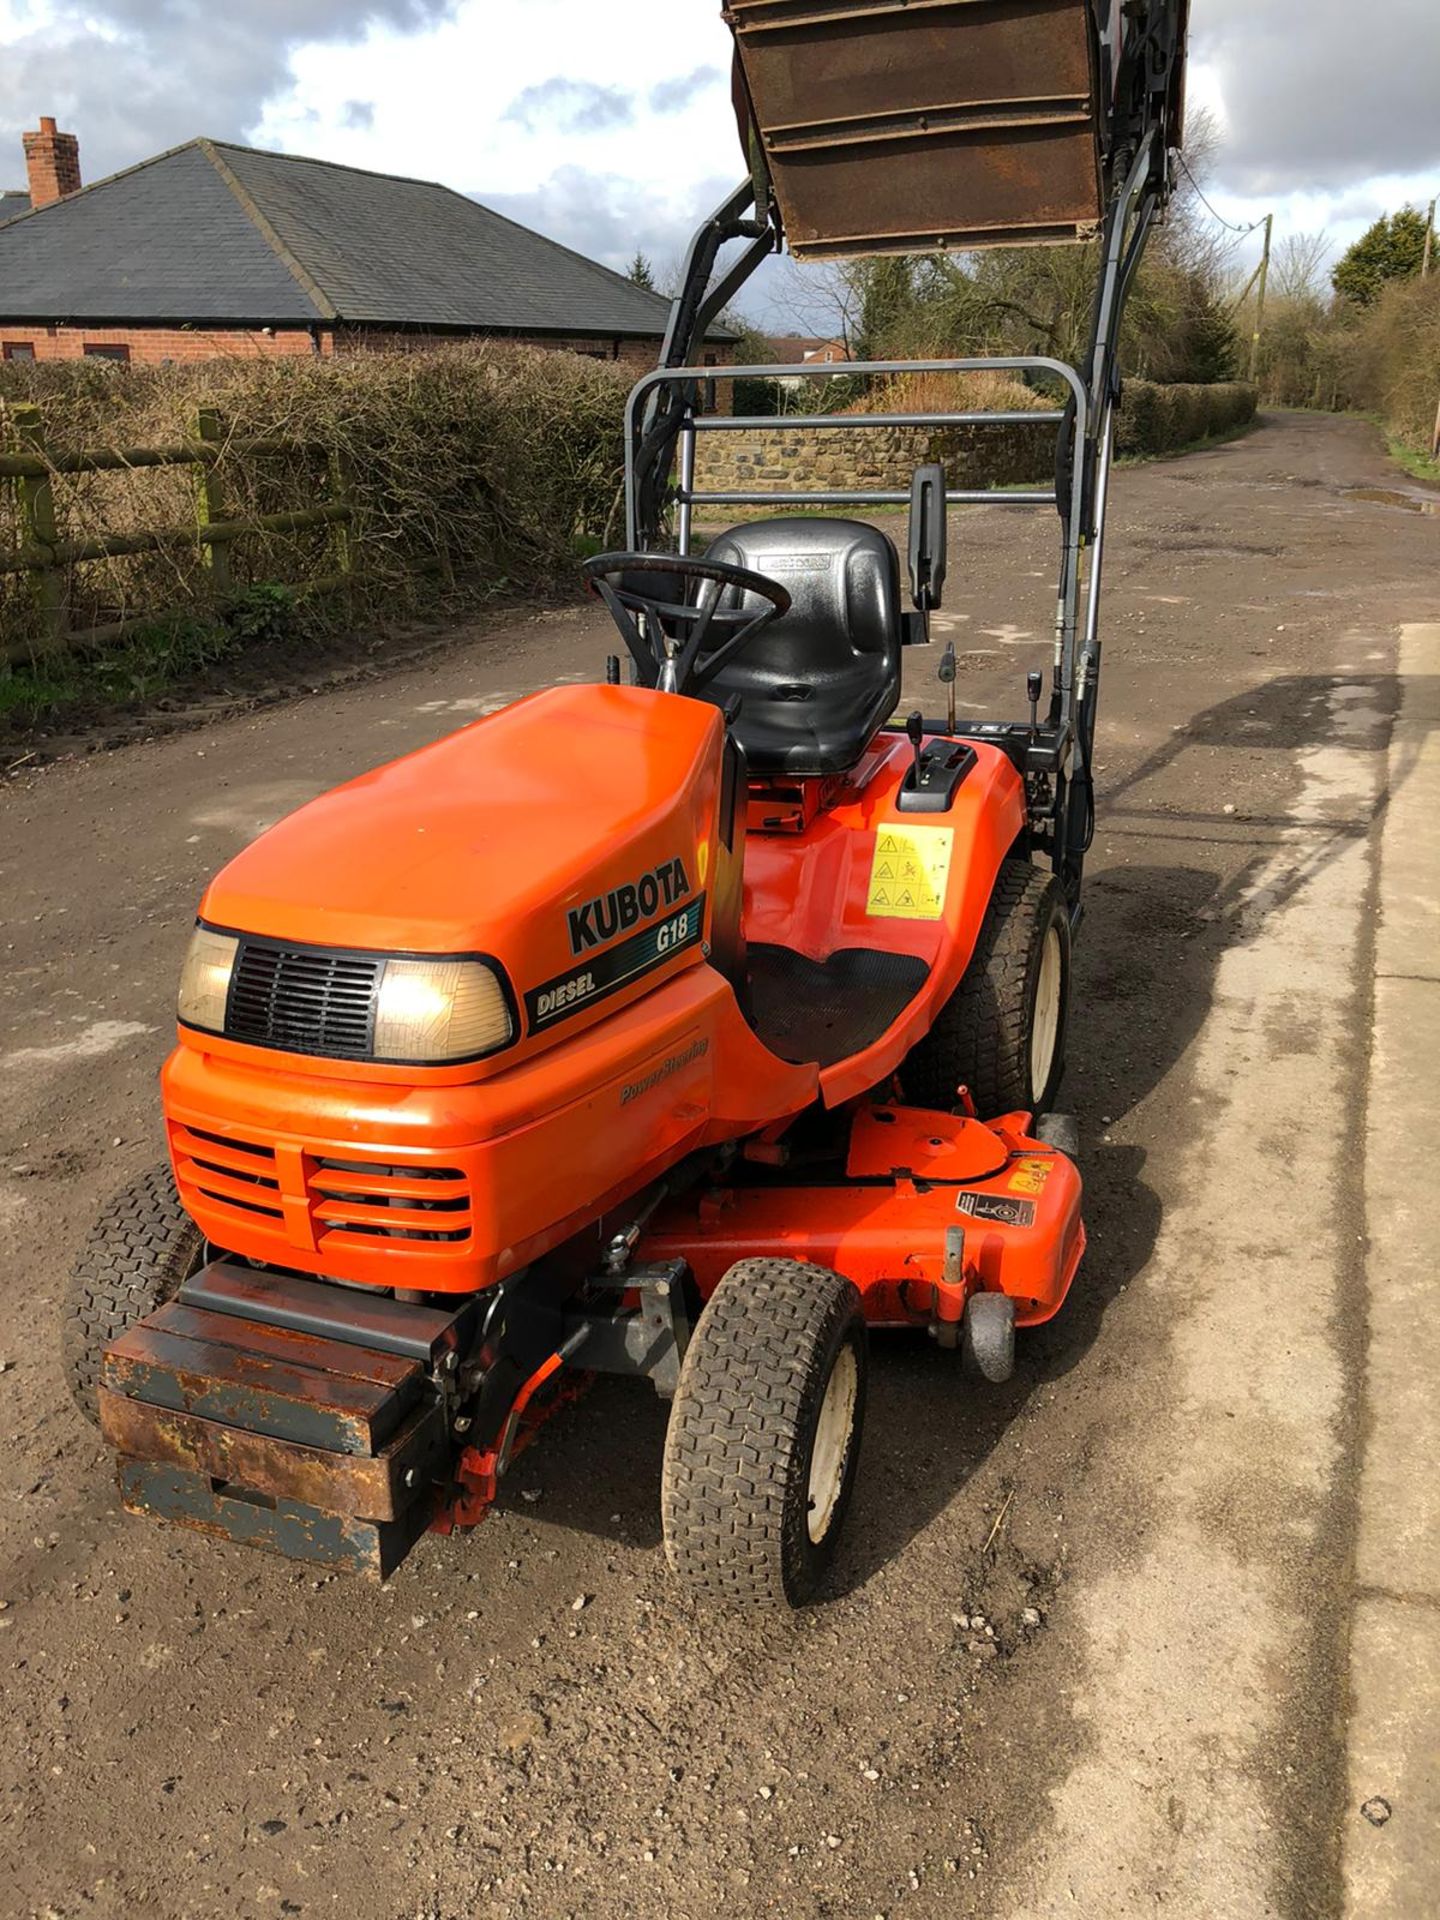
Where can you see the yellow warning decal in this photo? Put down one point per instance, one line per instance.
(1029, 1176)
(909, 873)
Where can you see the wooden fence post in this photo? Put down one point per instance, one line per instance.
(342, 493)
(210, 504)
(39, 528)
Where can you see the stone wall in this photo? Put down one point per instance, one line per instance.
(869, 459)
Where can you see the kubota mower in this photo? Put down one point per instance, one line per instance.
(689, 1025)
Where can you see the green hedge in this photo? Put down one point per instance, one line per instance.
(1155, 419)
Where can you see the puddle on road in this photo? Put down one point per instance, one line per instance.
(1392, 497)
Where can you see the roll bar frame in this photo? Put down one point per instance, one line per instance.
(667, 410)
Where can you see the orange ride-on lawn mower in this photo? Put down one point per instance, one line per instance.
(689, 1025)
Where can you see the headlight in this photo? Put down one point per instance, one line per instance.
(205, 979)
(436, 1010)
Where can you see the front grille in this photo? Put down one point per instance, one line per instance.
(227, 1172)
(304, 999)
(424, 1204)
(350, 1204)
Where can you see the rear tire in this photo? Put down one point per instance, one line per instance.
(764, 1435)
(1002, 1032)
(137, 1256)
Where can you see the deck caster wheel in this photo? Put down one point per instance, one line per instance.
(139, 1252)
(987, 1337)
(764, 1435)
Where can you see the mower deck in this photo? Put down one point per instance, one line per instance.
(928, 1209)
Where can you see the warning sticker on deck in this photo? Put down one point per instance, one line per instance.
(998, 1207)
(909, 873)
(1029, 1176)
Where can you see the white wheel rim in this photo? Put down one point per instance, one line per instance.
(1045, 1025)
(830, 1455)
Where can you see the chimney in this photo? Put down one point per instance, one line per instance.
(52, 161)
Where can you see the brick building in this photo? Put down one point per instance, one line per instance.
(216, 249)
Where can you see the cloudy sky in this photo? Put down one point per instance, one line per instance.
(607, 123)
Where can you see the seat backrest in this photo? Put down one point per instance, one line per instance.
(816, 684)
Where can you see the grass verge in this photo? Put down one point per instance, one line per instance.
(147, 664)
(1417, 464)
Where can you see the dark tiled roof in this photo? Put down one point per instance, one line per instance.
(165, 241)
(13, 201)
(213, 232)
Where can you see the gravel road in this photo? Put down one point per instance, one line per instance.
(1085, 1652)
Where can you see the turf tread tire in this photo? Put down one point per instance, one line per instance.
(736, 1471)
(135, 1257)
(981, 1039)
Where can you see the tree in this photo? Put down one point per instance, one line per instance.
(1295, 271)
(887, 296)
(1392, 250)
(642, 273)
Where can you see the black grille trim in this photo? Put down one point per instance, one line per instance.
(304, 999)
(245, 1206)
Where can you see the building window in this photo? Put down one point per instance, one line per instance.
(120, 354)
(18, 350)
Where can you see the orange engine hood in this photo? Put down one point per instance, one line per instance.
(486, 840)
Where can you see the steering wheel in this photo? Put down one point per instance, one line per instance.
(666, 616)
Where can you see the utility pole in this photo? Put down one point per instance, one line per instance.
(1429, 241)
(1260, 299)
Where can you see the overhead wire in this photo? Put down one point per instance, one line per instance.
(1229, 225)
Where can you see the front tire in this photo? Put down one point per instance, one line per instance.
(138, 1254)
(1002, 1031)
(764, 1435)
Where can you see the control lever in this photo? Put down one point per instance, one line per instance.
(1034, 681)
(915, 728)
(946, 672)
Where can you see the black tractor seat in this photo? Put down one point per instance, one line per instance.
(819, 681)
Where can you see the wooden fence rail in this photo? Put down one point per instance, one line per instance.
(46, 554)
